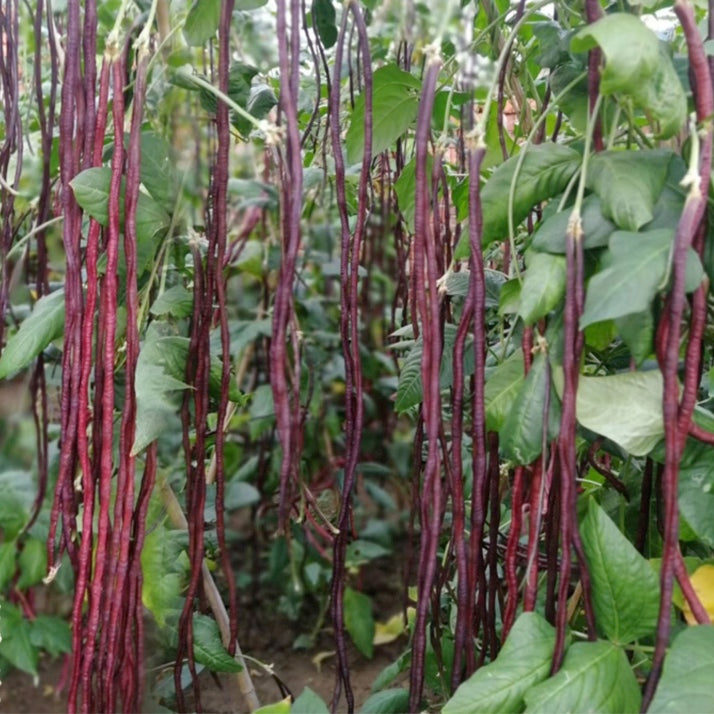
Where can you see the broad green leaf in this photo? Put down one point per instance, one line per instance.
(502, 388)
(176, 301)
(281, 707)
(599, 335)
(261, 100)
(569, 82)
(359, 620)
(509, 300)
(32, 562)
(91, 189)
(662, 96)
(158, 175)
(637, 332)
(631, 51)
(550, 236)
(388, 701)
(8, 553)
(595, 677)
(262, 411)
(628, 184)
(202, 22)
(162, 583)
(626, 408)
(522, 432)
(625, 589)
(45, 323)
(405, 188)
(249, 4)
(457, 284)
(157, 393)
(637, 272)
(323, 13)
(395, 102)
(409, 389)
(51, 633)
(687, 684)
(543, 285)
(208, 648)
(696, 491)
(15, 644)
(544, 173)
(392, 671)
(17, 488)
(551, 43)
(174, 356)
(524, 660)
(309, 702)
(670, 203)
(240, 494)
(240, 77)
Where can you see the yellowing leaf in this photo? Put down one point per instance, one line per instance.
(385, 632)
(703, 584)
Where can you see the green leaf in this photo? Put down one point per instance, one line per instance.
(174, 352)
(262, 411)
(550, 236)
(388, 701)
(509, 301)
(524, 660)
(662, 96)
(522, 432)
(631, 51)
(409, 389)
(309, 702)
(637, 332)
(359, 620)
(544, 173)
(15, 644)
(687, 684)
(208, 648)
(502, 388)
(628, 184)
(8, 552)
(45, 323)
(628, 285)
(626, 408)
(392, 671)
(395, 102)
(240, 494)
(543, 285)
(202, 22)
(51, 633)
(157, 401)
(323, 11)
(595, 677)
(281, 707)
(161, 585)
(176, 301)
(261, 100)
(32, 563)
(696, 491)
(157, 170)
(91, 189)
(405, 188)
(625, 589)
(249, 4)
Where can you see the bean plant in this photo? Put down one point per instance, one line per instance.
(336, 282)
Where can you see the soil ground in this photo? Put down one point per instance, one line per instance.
(269, 638)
